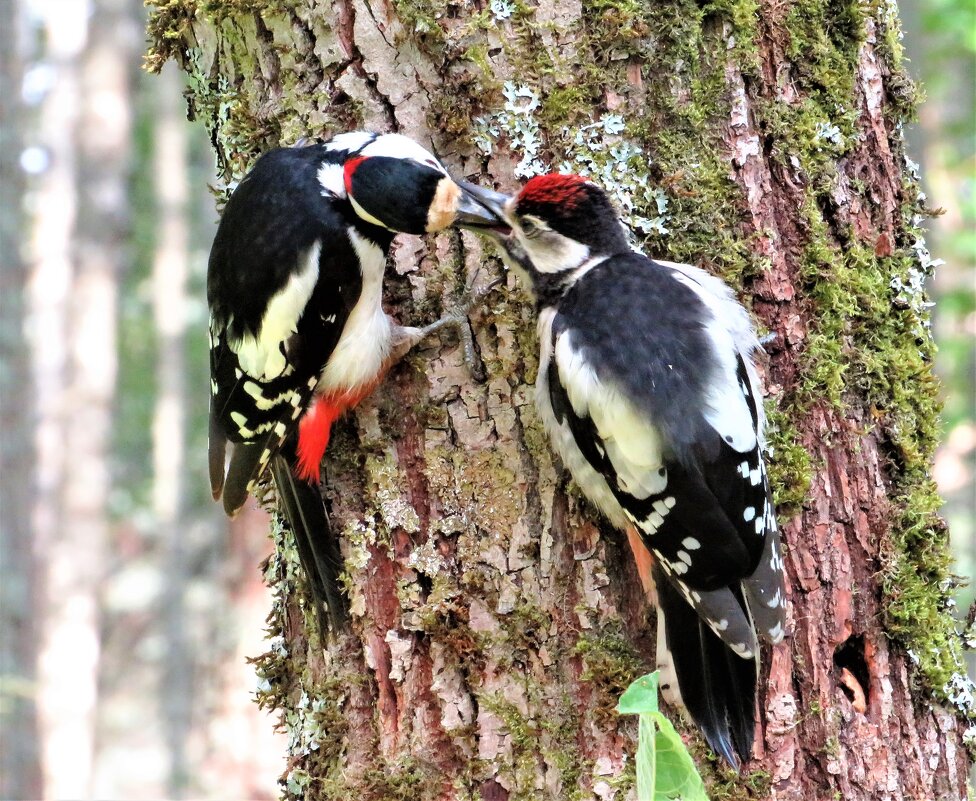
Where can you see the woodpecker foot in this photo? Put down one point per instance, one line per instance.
(457, 318)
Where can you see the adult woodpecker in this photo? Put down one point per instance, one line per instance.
(647, 390)
(298, 333)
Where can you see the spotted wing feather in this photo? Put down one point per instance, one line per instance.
(675, 517)
(282, 279)
(699, 672)
(706, 516)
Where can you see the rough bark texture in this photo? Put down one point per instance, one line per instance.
(495, 619)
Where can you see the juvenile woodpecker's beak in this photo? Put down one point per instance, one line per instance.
(482, 209)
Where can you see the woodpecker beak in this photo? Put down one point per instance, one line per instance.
(482, 209)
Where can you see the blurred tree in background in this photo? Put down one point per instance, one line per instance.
(941, 42)
(128, 603)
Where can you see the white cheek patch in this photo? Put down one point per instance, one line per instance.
(397, 146)
(332, 179)
(261, 356)
(551, 252)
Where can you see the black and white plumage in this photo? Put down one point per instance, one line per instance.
(298, 333)
(647, 390)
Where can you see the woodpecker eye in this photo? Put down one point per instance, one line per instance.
(530, 227)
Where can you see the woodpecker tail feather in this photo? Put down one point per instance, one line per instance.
(318, 549)
(216, 453)
(242, 471)
(248, 462)
(700, 672)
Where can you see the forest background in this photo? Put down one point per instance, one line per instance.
(129, 604)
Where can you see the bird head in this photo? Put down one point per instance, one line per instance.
(395, 183)
(555, 223)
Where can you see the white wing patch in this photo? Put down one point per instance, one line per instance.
(289, 396)
(592, 483)
(631, 442)
(718, 296)
(249, 433)
(260, 356)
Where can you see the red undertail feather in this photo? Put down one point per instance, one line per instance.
(315, 428)
(313, 438)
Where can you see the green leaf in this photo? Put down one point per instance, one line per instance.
(665, 769)
(639, 697)
(677, 776)
(646, 758)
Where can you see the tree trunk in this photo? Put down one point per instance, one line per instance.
(64, 714)
(496, 619)
(77, 253)
(169, 294)
(20, 775)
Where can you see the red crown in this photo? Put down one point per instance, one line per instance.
(554, 189)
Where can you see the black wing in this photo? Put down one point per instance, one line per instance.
(282, 279)
(631, 330)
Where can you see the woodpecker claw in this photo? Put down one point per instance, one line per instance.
(457, 317)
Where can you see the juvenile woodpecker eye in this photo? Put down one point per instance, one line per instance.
(530, 227)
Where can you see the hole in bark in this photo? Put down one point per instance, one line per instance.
(854, 677)
(426, 584)
(493, 791)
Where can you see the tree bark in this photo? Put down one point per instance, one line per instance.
(496, 619)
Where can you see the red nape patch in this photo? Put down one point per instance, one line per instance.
(348, 168)
(555, 188)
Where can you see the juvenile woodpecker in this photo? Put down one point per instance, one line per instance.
(648, 392)
(298, 334)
